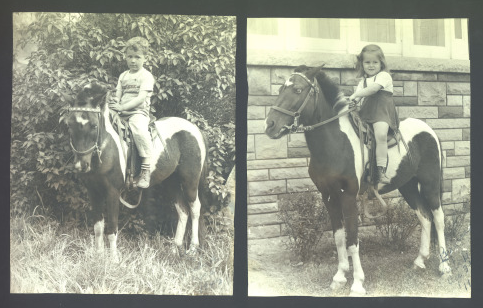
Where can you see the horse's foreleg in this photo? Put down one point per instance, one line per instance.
(112, 203)
(351, 220)
(97, 204)
(195, 208)
(438, 217)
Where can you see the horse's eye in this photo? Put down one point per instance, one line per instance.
(298, 91)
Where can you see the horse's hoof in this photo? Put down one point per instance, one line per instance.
(419, 264)
(192, 251)
(177, 250)
(445, 270)
(358, 291)
(115, 258)
(337, 285)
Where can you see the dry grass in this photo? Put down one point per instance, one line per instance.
(46, 259)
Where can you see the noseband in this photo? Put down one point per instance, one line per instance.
(97, 145)
(314, 88)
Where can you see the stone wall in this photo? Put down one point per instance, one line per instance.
(276, 167)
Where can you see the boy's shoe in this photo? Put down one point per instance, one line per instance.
(144, 178)
(381, 175)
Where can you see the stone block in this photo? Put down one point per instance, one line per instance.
(466, 134)
(333, 75)
(406, 100)
(445, 112)
(466, 106)
(275, 89)
(280, 74)
(289, 173)
(447, 145)
(458, 88)
(266, 148)
(256, 113)
(257, 175)
(261, 208)
(262, 199)
(410, 88)
(449, 152)
(297, 141)
(468, 171)
(461, 190)
(298, 152)
(447, 186)
(458, 161)
(462, 148)
(454, 100)
(263, 219)
(453, 173)
(449, 123)
(415, 76)
(250, 156)
(263, 232)
(418, 112)
(446, 198)
(453, 77)
(300, 185)
(256, 126)
(258, 80)
(349, 78)
(261, 100)
(399, 83)
(277, 163)
(267, 188)
(250, 143)
(398, 91)
(449, 134)
(432, 93)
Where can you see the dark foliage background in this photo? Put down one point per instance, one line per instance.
(191, 57)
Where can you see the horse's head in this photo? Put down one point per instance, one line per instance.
(292, 102)
(84, 122)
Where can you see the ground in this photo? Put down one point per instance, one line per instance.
(274, 271)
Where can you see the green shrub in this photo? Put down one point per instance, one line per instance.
(191, 57)
(396, 225)
(305, 218)
(455, 225)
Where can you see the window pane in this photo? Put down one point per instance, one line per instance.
(263, 26)
(326, 28)
(378, 30)
(458, 32)
(429, 32)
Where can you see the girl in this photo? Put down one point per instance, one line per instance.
(375, 91)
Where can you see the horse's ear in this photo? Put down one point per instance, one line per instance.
(302, 69)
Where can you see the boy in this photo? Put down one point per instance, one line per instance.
(132, 101)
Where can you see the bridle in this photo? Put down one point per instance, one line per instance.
(98, 146)
(314, 89)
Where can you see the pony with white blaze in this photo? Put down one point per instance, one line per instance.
(180, 154)
(309, 101)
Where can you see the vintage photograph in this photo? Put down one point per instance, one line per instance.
(122, 168)
(358, 157)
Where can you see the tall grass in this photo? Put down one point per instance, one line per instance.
(46, 258)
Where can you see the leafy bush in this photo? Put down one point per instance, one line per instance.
(455, 225)
(397, 225)
(191, 57)
(305, 218)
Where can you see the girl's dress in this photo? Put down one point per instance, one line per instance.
(379, 107)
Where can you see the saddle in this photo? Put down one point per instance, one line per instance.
(133, 160)
(365, 131)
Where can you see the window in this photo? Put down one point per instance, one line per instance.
(430, 38)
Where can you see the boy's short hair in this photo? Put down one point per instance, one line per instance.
(138, 44)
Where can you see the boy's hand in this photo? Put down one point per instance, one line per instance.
(115, 106)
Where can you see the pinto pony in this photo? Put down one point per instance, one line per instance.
(309, 101)
(180, 153)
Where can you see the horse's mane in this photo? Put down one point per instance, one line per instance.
(94, 91)
(329, 88)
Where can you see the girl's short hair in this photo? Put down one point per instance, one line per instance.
(375, 49)
(138, 44)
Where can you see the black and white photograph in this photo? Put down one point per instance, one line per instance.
(358, 157)
(122, 165)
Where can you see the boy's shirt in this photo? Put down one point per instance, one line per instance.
(131, 84)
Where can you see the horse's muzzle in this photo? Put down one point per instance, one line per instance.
(82, 165)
